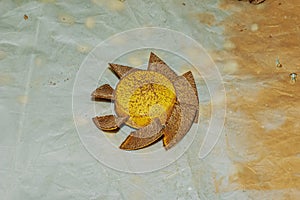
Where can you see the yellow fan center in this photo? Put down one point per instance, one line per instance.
(143, 96)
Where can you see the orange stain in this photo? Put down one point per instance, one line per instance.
(262, 95)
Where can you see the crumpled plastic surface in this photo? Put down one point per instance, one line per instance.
(41, 154)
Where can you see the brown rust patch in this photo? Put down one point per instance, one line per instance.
(274, 33)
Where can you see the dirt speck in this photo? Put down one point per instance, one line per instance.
(52, 83)
(67, 19)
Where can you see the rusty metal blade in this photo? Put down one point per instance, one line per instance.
(178, 124)
(190, 78)
(144, 136)
(109, 122)
(183, 114)
(104, 92)
(184, 91)
(158, 65)
(120, 70)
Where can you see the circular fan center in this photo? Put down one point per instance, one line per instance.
(143, 96)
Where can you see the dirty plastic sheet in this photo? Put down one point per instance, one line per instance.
(42, 46)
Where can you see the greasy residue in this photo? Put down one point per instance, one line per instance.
(266, 124)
